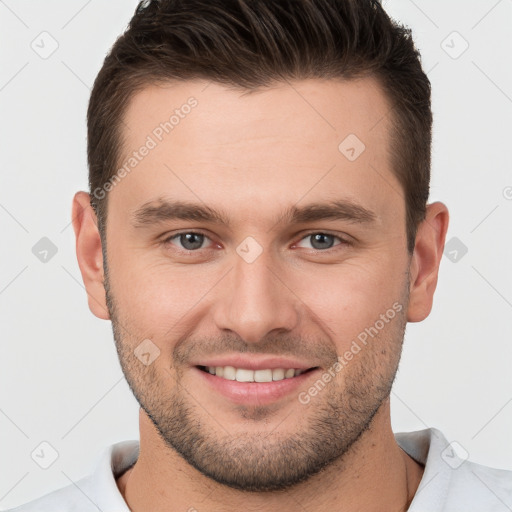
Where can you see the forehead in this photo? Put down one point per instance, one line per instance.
(304, 108)
(315, 138)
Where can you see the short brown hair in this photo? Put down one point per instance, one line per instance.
(253, 43)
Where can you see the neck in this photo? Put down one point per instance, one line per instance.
(374, 475)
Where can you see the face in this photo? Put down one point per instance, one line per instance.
(287, 251)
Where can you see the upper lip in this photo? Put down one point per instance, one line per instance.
(254, 362)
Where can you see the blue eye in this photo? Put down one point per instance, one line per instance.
(322, 241)
(193, 241)
(190, 241)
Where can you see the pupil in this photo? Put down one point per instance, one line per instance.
(187, 240)
(321, 238)
(193, 241)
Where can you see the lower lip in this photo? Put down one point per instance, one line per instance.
(254, 393)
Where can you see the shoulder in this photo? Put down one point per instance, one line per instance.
(450, 480)
(73, 497)
(94, 492)
(481, 487)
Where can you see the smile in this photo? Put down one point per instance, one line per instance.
(245, 375)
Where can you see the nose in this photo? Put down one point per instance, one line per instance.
(256, 299)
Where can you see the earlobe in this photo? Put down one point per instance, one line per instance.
(89, 253)
(425, 261)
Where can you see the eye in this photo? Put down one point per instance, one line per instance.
(322, 241)
(193, 241)
(189, 240)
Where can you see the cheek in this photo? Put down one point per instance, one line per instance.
(343, 299)
(351, 297)
(155, 296)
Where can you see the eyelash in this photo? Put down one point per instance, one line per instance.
(343, 241)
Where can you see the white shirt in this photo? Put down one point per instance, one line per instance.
(449, 483)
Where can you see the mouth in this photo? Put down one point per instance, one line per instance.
(254, 379)
(265, 375)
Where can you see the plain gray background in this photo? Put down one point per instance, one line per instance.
(61, 380)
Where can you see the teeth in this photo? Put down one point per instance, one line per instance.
(278, 374)
(243, 375)
(263, 376)
(289, 373)
(229, 373)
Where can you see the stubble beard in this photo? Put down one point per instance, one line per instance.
(306, 442)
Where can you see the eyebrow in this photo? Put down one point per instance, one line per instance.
(162, 210)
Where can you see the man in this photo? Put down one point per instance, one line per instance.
(257, 231)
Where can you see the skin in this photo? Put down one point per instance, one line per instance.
(251, 156)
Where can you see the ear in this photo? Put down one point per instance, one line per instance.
(88, 252)
(425, 260)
